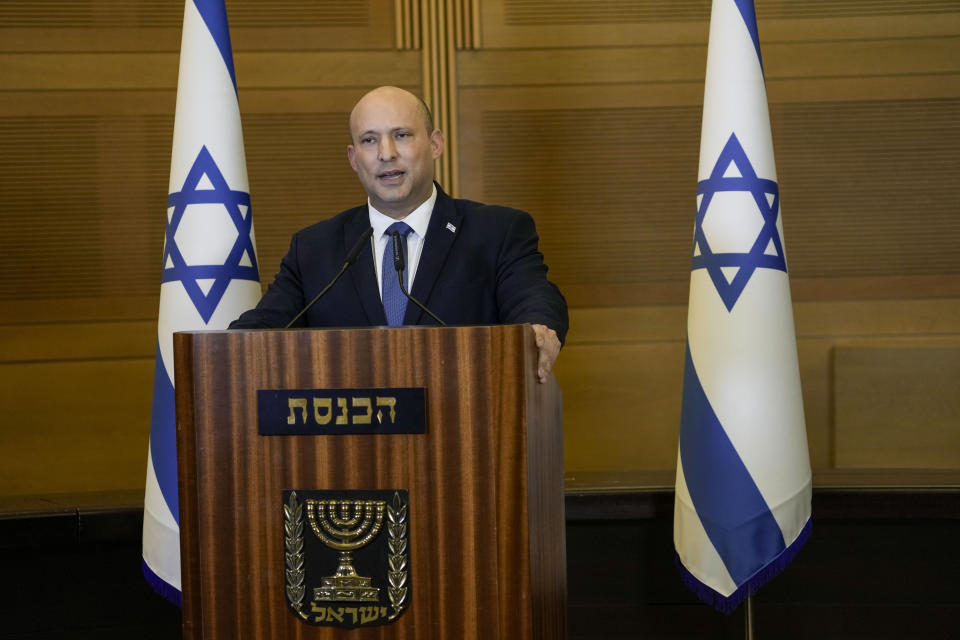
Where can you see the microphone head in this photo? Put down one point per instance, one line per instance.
(358, 247)
(398, 258)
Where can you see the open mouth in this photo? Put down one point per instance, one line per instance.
(396, 174)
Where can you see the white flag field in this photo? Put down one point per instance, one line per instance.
(209, 273)
(743, 487)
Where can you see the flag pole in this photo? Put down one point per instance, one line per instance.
(748, 614)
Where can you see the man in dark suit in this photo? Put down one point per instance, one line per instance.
(469, 263)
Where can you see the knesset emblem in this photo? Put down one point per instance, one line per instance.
(346, 556)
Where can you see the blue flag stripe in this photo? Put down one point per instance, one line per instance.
(734, 514)
(214, 14)
(163, 437)
(210, 271)
(750, 18)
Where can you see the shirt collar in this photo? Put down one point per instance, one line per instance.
(418, 219)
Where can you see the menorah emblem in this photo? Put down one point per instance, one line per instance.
(345, 526)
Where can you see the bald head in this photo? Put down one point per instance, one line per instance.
(395, 95)
(394, 149)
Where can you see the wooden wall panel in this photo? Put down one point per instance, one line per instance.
(851, 210)
(76, 400)
(299, 175)
(87, 95)
(140, 71)
(78, 194)
(154, 25)
(169, 13)
(621, 405)
(871, 185)
(897, 406)
(539, 12)
(622, 367)
(111, 174)
(80, 426)
(518, 24)
(587, 114)
(50, 342)
(679, 63)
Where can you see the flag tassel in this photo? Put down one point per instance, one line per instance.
(161, 587)
(729, 604)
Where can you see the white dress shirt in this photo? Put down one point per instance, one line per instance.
(418, 220)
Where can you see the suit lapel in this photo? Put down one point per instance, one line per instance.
(436, 246)
(362, 273)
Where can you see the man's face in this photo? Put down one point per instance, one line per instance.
(392, 151)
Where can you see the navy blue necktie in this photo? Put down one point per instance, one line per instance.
(394, 302)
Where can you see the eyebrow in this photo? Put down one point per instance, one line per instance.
(403, 127)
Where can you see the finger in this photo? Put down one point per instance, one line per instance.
(543, 366)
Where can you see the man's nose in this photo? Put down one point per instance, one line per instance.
(388, 150)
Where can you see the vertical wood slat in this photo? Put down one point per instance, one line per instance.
(400, 22)
(439, 81)
(453, 116)
(416, 22)
(466, 20)
(407, 19)
(459, 37)
(484, 533)
(475, 24)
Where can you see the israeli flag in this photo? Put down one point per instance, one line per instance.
(209, 274)
(743, 474)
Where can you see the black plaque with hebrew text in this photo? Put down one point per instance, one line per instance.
(282, 412)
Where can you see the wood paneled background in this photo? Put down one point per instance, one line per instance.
(586, 114)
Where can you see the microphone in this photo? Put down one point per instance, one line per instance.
(352, 256)
(399, 263)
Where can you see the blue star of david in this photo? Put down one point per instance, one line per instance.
(175, 267)
(757, 257)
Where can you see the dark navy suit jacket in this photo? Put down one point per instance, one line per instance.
(480, 265)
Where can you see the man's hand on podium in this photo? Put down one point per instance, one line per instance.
(548, 346)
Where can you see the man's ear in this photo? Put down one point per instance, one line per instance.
(351, 156)
(436, 143)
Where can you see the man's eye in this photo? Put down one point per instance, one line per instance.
(366, 140)
(403, 134)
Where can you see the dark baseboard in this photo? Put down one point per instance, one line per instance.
(879, 564)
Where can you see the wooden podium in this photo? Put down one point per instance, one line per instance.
(485, 481)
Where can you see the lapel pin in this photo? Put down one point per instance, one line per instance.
(451, 228)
